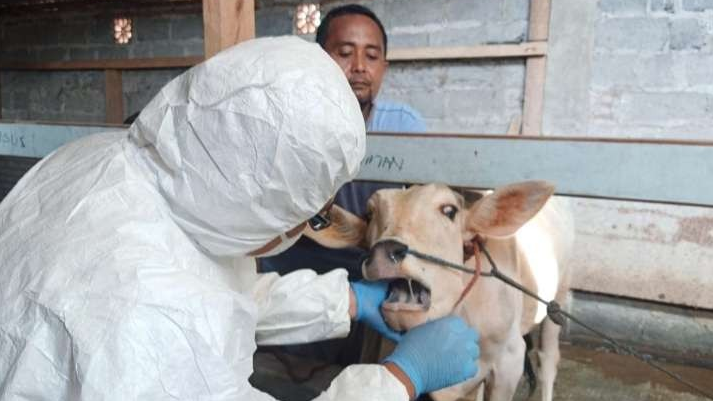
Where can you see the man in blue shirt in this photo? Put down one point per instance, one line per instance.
(355, 38)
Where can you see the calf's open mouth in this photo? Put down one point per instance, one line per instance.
(406, 294)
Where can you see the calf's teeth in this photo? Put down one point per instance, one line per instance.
(410, 290)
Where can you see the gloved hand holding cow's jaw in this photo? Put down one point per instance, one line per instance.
(429, 357)
(368, 297)
(436, 355)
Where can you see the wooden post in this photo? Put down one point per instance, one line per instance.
(539, 20)
(227, 22)
(536, 69)
(114, 97)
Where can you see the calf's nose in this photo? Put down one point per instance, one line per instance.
(393, 250)
(383, 259)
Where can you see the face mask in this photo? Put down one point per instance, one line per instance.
(284, 245)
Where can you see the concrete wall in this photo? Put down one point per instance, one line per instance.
(637, 69)
(668, 332)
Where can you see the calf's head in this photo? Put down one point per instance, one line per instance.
(435, 220)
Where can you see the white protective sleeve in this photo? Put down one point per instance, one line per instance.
(304, 307)
(365, 382)
(354, 383)
(301, 307)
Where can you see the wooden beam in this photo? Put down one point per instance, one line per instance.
(522, 50)
(227, 22)
(536, 69)
(38, 139)
(643, 167)
(539, 27)
(126, 64)
(534, 96)
(114, 96)
(44, 9)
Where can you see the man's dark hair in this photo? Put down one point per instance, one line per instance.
(349, 9)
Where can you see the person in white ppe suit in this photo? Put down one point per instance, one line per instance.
(124, 257)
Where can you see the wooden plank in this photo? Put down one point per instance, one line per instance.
(628, 169)
(114, 95)
(533, 101)
(227, 22)
(53, 8)
(125, 64)
(38, 140)
(606, 168)
(534, 96)
(539, 25)
(524, 50)
(528, 49)
(246, 24)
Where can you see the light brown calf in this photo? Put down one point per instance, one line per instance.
(526, 232)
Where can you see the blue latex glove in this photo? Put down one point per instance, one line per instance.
(438, 354)
(369, 297)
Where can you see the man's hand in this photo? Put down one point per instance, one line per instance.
(368, 296)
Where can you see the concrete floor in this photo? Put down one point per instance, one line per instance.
(584, 375)
(589, 375)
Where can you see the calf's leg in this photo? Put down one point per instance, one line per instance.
(508, 370)
(453, 393)
(549, 356)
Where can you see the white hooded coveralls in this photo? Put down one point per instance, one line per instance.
(122, 267)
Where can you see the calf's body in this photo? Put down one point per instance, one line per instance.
(527, 233)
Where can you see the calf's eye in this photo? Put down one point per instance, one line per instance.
(368, 215)
(449, 211)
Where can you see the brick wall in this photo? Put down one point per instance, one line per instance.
(648, 64)
(480, 96)
(454, 96)
(652, 69)
(78, 96)
(91, 38)
(472, 96)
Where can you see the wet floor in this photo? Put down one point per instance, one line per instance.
(584, 375)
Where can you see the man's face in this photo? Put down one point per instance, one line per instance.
(356, 44)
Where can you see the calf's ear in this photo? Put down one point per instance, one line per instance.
(502, 212)
(346, 230)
